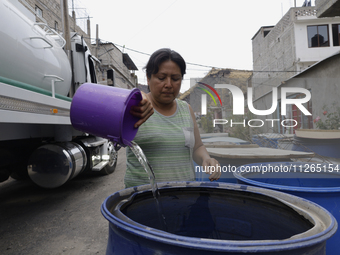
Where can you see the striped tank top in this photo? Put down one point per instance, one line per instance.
(167, 142)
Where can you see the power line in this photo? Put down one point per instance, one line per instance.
(147, 54)
(189, 63)
(194, 64)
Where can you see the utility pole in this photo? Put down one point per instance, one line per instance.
(66, 25)
(89, 28)
(97, 40)
(67, 37)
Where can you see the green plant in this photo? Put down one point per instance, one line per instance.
(331, 119)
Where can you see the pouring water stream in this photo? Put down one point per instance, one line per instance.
(147, 167)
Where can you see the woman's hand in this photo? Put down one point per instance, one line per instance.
(213, 168)
(143, 111)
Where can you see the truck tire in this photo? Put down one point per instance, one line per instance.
(113, 158)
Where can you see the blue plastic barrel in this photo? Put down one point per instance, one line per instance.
(317, 182)
(323, 147)
(214, 218)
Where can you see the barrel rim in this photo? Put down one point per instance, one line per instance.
(212, 244)
(238, 174)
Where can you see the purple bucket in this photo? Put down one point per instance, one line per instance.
(104, 111)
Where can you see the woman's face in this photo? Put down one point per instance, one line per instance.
(166, 84)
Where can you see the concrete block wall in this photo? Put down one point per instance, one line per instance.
(51, 10)
(274, 52)
(114, 59)
(327, 8)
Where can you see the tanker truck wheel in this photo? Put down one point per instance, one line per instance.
(113, 158)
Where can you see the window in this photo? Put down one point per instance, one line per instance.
(265, 33)
(336, 34)
(318, 36)
(92, 70)
(38, 11)
(56, 26)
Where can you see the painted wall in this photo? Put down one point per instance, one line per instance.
(306, 55)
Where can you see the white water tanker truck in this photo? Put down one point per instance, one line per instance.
(37, 81)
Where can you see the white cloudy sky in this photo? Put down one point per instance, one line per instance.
(210, 33)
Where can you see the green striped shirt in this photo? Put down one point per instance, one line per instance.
(167, 142)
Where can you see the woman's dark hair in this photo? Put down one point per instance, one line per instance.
(160, 56)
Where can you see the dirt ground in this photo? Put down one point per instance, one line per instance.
(66, 220)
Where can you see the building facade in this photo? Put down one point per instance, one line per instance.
(51, 12)
(288, 55)
(115, 68)
(296, 42)
(327, 8)
(219, 105)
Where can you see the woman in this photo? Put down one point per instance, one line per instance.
(170, 137)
